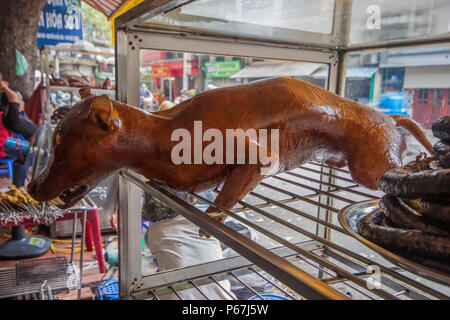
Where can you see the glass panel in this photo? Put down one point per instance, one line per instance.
(168, 78)
(268, 19)
(371, 21)
(170, 75)
(380, 20)
(414, 82)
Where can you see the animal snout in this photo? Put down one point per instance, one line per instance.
(35, 190)
(32, 188)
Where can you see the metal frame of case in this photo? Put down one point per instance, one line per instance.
(324, 264)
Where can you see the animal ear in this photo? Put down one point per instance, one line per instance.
(85, 92)
(102, 113)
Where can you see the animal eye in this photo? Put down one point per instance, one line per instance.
(61, 160)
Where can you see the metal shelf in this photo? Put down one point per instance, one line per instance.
(310, 265)
(77, 89)
(97, 53)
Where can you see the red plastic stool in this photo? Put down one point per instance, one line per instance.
(93, 234)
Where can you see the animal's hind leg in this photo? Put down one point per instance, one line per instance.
(240, 181)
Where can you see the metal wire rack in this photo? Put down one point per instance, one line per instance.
(37, 271)
(32, 275)
(295, 217)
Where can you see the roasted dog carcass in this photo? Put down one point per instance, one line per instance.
(76, 81)
(98, 136)
(57, 82)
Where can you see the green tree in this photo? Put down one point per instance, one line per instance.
(96, 27)
(19, 22)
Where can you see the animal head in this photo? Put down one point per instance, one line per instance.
(381, 148)
(89, 131)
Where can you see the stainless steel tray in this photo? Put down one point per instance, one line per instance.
(349, 217)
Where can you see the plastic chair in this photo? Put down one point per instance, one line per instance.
(108, 289)
(9, 167)
(18, 136)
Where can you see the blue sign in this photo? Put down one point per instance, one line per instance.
(60, 21)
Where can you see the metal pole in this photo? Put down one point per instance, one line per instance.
(46, 115)
(127, 90)
(83, 234)
(74, 236)
(185, 74)
(17, 232)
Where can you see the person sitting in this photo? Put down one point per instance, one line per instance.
(4, 134)
(14, 117)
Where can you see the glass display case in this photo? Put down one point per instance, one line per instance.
(393, 56)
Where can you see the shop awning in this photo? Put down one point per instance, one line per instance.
(351, 73)
(415, 58)
(427, 77)
(295, 69)
(107, 7)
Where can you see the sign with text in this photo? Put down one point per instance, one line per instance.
(60, 21)
(222, 69)
(160, 71)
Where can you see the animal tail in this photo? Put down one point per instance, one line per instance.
(413, 128)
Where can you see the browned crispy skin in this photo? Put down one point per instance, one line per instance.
(439, 211)
(441, 127)
(417, 180)
(407, 241)
(97, 137)
(441, 150)
(441, 147)
(57, 82)
(444, 160)
(406, 217)
(406, 123)
(76, 81)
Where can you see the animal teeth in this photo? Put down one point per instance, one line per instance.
(56, 201)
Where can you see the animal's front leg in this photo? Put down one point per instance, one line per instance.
(240, 181)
